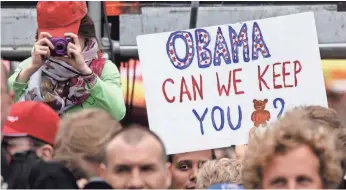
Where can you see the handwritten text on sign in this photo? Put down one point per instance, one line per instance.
(199, 46)
(241, 76)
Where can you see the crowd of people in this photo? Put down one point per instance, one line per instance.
(60, 129)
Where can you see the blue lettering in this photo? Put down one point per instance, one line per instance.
(200, 119)
(238, 40)
(240, 117)
(258, 44)
(219, 126)
(203, 53)
(178, 62)
(213, 118)
(282, 102)
(221, 49)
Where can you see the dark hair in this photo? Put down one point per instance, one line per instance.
(213, 156)
(87, 30)
(37, 143)
(5, 170)
(87, 27)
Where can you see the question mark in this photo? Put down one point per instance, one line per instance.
(282, 102)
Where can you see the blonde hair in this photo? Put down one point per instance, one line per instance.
(326, 117)
(224, 170)
(289, 132)
(82, 138)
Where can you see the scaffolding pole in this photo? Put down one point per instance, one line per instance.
(194, 14)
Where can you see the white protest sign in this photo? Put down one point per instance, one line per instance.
(208, 87)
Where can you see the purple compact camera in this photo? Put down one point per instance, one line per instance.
(60, 45)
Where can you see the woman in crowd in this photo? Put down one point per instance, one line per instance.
(295, 153)
(185, 167)
(81, 141)
(67, 69)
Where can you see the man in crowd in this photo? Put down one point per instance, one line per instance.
(185, 166)
(295, 153)
(79, 151)
(31, 126)
(331, 121)
(29, 134)
(136, 159)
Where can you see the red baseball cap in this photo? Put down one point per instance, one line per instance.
(60, 17)
(34, 119)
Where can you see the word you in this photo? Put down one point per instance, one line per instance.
(208, 53)
(223, 116)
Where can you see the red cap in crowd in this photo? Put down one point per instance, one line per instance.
(32, 118)
(60, 17)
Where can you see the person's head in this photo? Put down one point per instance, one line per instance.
(185, 166)
(81, 140)
(31, 126)
(329, 119)
(227, 152)
(224, 170)
(60, 17)
(6, 95)
(294, 153)
(326, 117)
(136, 159)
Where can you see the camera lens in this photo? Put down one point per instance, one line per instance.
(60, 46)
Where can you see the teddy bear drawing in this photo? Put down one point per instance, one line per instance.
(260, 116)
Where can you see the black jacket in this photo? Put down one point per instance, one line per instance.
(51, 175)
(4, 165)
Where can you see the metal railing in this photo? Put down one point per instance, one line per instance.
(328, 51)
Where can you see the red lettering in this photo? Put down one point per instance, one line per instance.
(275, 76)
(223, 88)
(164, 90)
(296, 71)
(260, 77)
(184, 90)
(198, 87)
(235, 81)
(284, 74)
